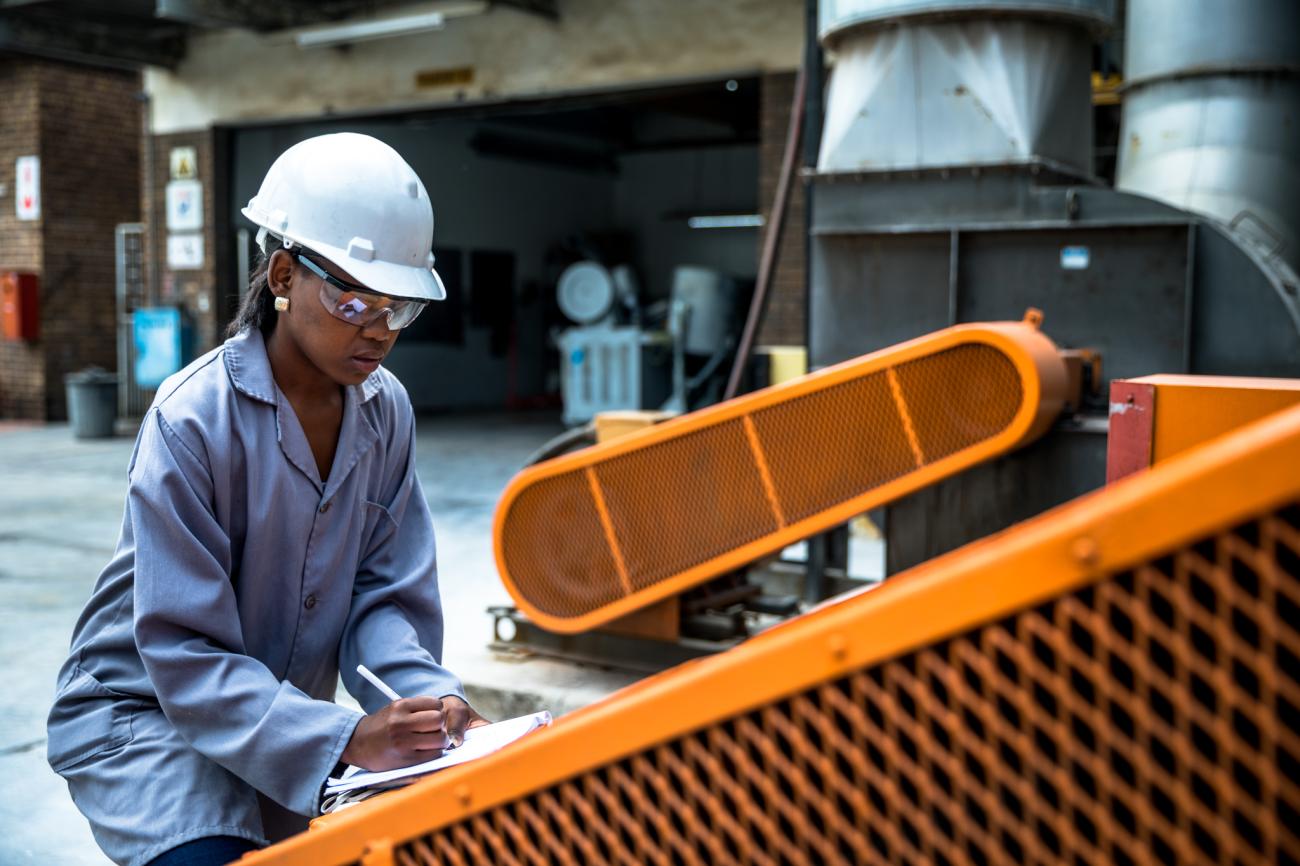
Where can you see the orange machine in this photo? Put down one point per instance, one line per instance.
(587, 538)
(1117, 681)
(1155, 417)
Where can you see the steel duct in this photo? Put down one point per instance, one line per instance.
(947, 83)
(838, 16)
(1211, 113)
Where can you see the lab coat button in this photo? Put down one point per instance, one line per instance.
(310, 602)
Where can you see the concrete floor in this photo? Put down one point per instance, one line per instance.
(62, 504)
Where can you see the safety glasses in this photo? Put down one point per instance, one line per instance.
(358, 306)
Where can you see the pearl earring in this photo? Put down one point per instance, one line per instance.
(281, 304)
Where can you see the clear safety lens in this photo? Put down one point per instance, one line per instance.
(362, 308)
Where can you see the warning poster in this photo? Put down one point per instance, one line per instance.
(27, 187)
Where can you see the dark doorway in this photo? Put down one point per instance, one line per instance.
(522, 189)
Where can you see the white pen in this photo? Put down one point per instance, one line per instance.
(378, 683)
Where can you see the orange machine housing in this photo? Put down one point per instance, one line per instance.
(1114, 681)
(1156, 417)
(20, 315)
(609, 530)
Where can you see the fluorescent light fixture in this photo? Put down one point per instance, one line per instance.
(725, 221)
(364, 31)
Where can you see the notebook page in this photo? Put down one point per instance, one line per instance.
(479, 742)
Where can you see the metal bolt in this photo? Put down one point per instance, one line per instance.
(378, 852)
(462, 794)
(1085, 551)
(839, 646)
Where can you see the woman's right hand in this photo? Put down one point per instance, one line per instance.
(405, 732)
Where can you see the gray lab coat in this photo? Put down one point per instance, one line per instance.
(202, 670)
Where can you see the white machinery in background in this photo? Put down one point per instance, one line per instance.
(701, 323)
(606, 366)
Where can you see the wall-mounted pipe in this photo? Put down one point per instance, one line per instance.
(947, 83)
(1212, 114)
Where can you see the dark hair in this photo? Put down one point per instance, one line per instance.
(257, 309)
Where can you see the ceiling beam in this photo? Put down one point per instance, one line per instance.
(264, 15)
(98, 43)
(547, 9)
(261, 14)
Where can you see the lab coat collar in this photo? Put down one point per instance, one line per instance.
(250, 370)
(357, 435)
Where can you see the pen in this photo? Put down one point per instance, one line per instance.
(378, 683)
(383, 687)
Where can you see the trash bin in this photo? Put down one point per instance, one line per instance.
(92, 402)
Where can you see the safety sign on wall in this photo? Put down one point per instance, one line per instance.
(184, 163)
(27, 187)
(185, 252)
(184, 205)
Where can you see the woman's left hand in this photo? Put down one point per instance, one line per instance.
(460, 717)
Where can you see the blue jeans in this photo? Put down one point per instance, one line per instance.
(208, 851)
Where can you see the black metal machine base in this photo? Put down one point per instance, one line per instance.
(714, 617)
(514, 632)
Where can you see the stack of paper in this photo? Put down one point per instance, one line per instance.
(357, 784)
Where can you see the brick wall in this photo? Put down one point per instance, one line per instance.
(195, 291)
(84, 124)
(90, 178)
(22, 366)
(784, 323)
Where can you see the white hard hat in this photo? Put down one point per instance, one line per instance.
(352, 199)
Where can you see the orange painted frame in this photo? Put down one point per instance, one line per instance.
(1192, 495)
(1042, 374)
(1156, 417)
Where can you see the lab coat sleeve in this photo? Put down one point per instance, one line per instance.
(395, 626)
(227, 705)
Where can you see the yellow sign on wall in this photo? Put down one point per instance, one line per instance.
(184, 163)
(458, 76)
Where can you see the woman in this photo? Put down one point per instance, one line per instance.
(275, 533)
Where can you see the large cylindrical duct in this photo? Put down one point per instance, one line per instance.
(947, 83)
(1212, 114)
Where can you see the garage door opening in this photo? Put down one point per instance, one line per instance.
(649, 181)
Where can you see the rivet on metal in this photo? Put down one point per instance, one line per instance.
(838, 645)
(463, 794)
(379, 852)
(1085, 551)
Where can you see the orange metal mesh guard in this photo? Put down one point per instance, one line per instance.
(591, 536)
(1115, 682)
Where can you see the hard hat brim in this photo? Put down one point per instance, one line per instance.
(394, 280)
(387, 278)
